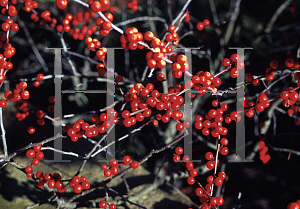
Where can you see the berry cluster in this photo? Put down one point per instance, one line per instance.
(35, 153)
(202, 25)
(80, 128)
(203, 193)
(54, 180)
(79, 184)
(213, 119)
(114, 170)
(105, 26)
(234, 64)
(263, 149)
(19, 94)
(130, 39)
(103, 204)
(262, 102)
(143, 98)
(99, 6)
(289, 97)
(133, 5)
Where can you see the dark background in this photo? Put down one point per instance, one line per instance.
(262, 186)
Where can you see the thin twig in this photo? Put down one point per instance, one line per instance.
(32, 45)
(63, 152)
(275, 16)
(3, 136)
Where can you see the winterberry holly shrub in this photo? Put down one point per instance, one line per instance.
(176, 68)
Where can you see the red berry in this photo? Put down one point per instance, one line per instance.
(77, 188)
(160, 77)
(3, 103)
(114, 170)
(213, 200)
(134, 164)
(274, 64)
(222, 175)
(209, 155)
(30, 153)
(112, 206)
(61, 4)
(210, 164)
(189, 165)
(113, 162)
(178, 150)
(290, 111)
(51, 184)
(176, 158)
(234, 57)
(35, 162)
(262, 98)
(206, 22)
(179, 126)
(224, 141)
(259, 107)
(190, 180)
(293, 96)
(40, 77)
(107, 173)
(28, 169)
(30, 130)
(85, 185)
(102, 204)
(96, 6)
(220, 200)
(200, 26)
(126, 160)
(119, 78)
(289, 62)
(218, 181)
(76, 180)
(224, 151)
(186, 158)
(284, 94)
(193, 172)
(293, 205)
(39, 155)
(199, 191)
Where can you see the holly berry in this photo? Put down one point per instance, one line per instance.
(224, 151)
(51, 184)
(96, 6)
(114, 170)
(126, 160)
(199, 191)
(35, 162)
(30, 153)
(134, 164)
(28, 169)
(293, 205)
(190, 180)
(77, 188)
(61, 4)
(200, 26)
(218, 181)
(107, 173)
(102, 204)
(178, 150)
(176, 158)
(31, 130)
(85, 185)
(76, 180)
(112, 206)
(189, 165)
